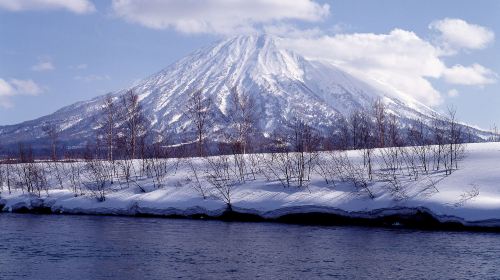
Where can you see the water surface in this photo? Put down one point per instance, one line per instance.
(93, 247)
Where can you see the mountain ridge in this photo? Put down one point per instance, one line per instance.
(283, 84)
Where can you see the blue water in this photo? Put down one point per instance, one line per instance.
(88, 247)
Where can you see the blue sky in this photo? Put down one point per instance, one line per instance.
(54, 53)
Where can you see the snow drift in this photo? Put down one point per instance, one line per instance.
(469, 197)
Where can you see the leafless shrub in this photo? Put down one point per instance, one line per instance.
(55, 170)
(98, 178)
(221, 175)
(74, 170)
(195, 181)
(419, 139)
(467, 196)
(409, 162)
(295, 156)
(355, 173)
(159, 169)
(330, 166)
(32, 178)
(255, 165)
(4, 178)
(429, 185)
(130, 174)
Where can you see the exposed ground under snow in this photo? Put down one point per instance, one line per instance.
(480, 170)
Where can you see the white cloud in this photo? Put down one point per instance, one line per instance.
(25, 87)
(452, 93)
(458, 34)
(75, 6)
(92, 78)
(400, 62)
(216, 16)
(81, 66)
(5, 88)
(43, 64)
(16, 87)
(472, 75)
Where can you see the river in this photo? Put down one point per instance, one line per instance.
(99, 247)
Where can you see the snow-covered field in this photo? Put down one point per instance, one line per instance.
(470, 195)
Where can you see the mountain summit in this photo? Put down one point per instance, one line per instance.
(281, 83)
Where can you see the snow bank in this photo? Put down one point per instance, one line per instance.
(270, 200)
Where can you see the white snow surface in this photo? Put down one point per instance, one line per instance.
(269, 199)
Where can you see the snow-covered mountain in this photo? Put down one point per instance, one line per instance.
(282, 84)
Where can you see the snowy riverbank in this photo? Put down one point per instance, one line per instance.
(470, 196)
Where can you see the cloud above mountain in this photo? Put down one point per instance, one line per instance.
(399, 61)
(12, 87)
(472, 75)
(216, 16)
(456, 34)
(75, 6)
(44, 64)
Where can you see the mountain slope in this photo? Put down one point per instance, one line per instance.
(282, 84)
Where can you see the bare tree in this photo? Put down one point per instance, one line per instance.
(109, 124)
(355, 122)
(439, 140)
(52, 134)
(366, 140)
(390, 171)
(32, 177)
(419, 139)
(198, 109)
(305, 143)
(380, 117)
(158, 165)
(135, 123)
(350, 171)
(342, 135)
(454, 138)
(329, 167)
(3, 176)
(294, 157)
(25, 153)
(495, 137)
(393, 129)
(241, 119)
(195, 180)
(74, 172)
(98, 178)
(55, 170)
(220, 174)
(467, 196)
(279, 162)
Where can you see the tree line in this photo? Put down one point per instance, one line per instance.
(367, 146)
